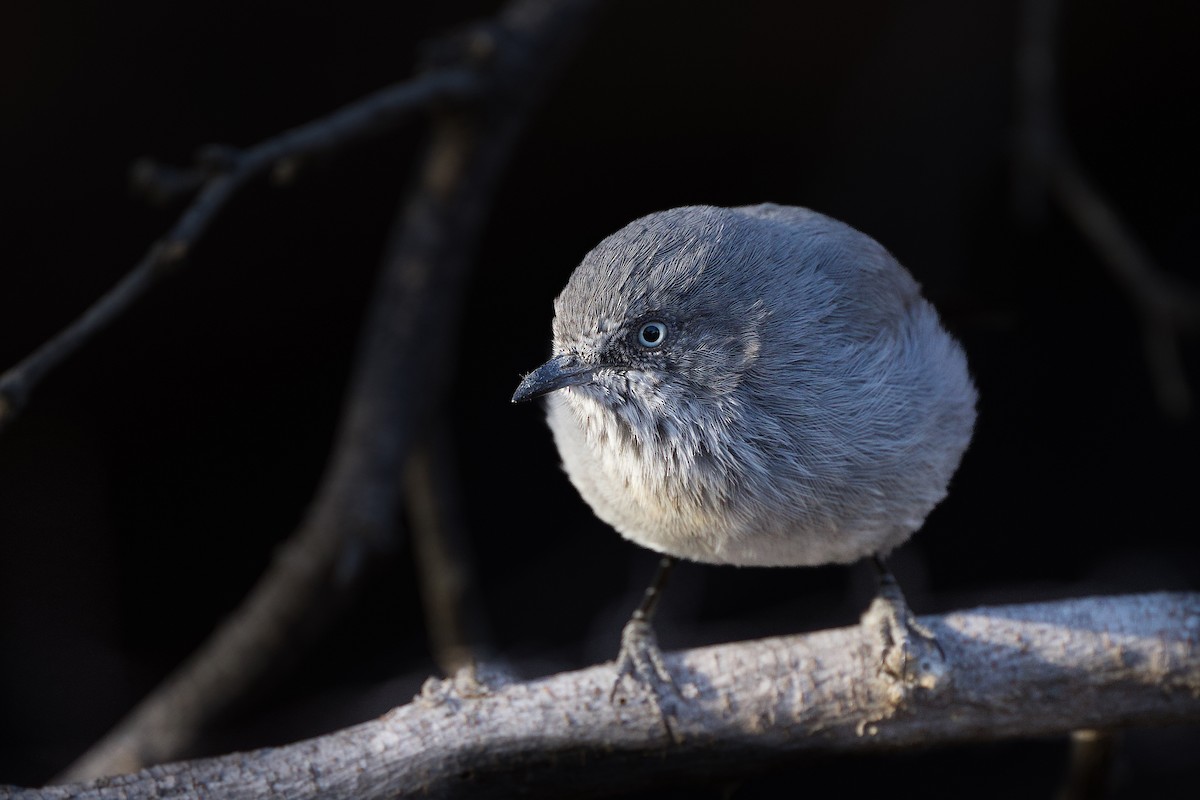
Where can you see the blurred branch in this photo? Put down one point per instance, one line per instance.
(1025, 670)
(221, 174)
(1089, 772)
(449, 591)
(401, 372)
(1047, 167)
(1166, 306)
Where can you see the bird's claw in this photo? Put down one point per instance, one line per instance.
(641, 659)
(641, 664)
(909, 652)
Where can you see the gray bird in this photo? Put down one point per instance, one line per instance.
(758, 386)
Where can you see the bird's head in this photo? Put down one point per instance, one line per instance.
(659, 314)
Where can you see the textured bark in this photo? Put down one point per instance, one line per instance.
(1027, 670)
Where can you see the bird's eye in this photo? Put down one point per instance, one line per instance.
(652, 334)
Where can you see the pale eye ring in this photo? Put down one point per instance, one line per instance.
(652, 334)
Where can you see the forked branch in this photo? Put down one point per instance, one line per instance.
(1048, 170)
(222, 173)
(399, 375)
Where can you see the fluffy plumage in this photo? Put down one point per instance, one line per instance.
(803, 404)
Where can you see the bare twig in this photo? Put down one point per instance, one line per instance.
(402, 367)
(1047, 167)
(449, 591)
(1165, 306)
(1037, 128)
(1160, 297)
(1089, 773)
(1015, 671)
(217, 184)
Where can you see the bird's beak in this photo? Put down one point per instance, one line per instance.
(558, 372)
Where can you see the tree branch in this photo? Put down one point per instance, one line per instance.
(1024, 670)
(222, 175)
(454, 614)
(1047, 167)
(403, 365)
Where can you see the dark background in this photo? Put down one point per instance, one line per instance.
(145, 487)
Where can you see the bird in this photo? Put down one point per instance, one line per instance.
(757, 386)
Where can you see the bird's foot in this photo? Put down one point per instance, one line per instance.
(641, 667)
(909, 652)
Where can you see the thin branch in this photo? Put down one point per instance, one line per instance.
(1037, 129)
(1166, 306)
(367, 117)
(402, 369)
(1157, 294)
(1015, 671)
(449, 591)
(1089, 773)
(1047, 167)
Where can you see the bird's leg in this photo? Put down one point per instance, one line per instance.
(640, 659)
(910, 652)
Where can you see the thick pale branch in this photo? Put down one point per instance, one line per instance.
(1015, 671)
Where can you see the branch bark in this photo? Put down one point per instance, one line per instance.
(403, 365)
(1015, 671)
